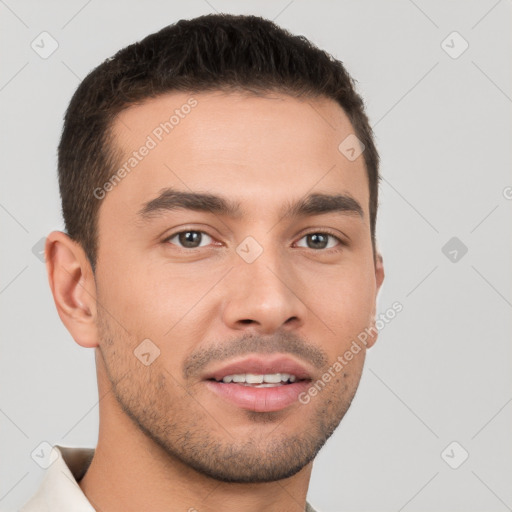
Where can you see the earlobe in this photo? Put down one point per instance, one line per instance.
(73, 287)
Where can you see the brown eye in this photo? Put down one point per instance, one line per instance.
(320, 241)
(190, 239)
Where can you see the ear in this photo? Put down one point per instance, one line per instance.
(73, 287)
(379, 278)
(379, 272)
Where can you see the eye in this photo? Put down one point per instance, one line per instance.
(190, 239)
(320, 241)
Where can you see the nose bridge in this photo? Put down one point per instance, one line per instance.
(261, 294)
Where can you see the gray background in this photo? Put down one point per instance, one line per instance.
(440, 371)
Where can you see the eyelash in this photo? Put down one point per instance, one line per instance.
(323, 232)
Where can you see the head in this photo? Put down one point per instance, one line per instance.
(219, 217)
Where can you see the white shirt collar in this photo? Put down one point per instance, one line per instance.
(59, 489)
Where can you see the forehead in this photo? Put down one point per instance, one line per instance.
(259, 149)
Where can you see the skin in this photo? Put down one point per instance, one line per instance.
(166, 442)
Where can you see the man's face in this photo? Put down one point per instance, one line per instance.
(238, 290)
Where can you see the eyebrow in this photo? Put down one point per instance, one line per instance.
(171, 199)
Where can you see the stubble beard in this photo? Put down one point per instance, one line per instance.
(174, 419)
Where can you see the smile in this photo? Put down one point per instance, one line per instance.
(259, 383)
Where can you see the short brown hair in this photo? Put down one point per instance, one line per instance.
(208, 53)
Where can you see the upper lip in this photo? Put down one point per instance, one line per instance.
(260, 365)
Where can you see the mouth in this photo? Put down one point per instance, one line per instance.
(260, 384)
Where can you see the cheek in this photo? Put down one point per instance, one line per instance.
(132, 299)
(346, 301)
(156, 303)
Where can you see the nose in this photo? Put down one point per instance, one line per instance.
(264, 296)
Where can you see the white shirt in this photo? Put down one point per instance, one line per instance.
(59, 490)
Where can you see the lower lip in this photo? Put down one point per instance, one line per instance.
(259, 399)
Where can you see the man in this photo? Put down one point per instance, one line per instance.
(219, 186)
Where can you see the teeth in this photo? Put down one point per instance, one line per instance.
(251, 378)
(273, 378)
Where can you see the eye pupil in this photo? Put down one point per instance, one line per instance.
(190, 239)
(318, 241)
